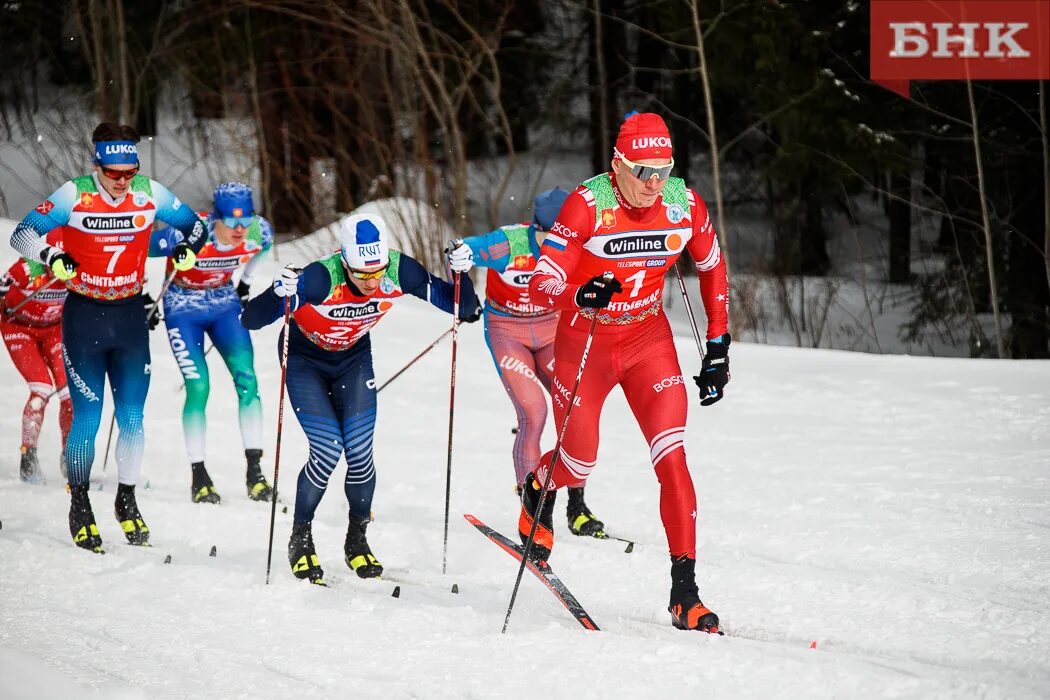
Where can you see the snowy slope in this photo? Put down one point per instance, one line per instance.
(895, 510)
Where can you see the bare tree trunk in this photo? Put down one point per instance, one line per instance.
(715, 161)
(121, 40)
(102, 101)
(264, 163)
(603, 81)
(899, 207)
(993, 290)
(1046, 176)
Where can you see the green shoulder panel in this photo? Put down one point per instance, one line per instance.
(393, 270)
(35, 268)
(518, 238)
(254, 232)
(674, 193)
(85, 183)
(601, 187)
(141, 183)
(334, 263)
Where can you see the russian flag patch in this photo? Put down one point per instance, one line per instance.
(554, 241)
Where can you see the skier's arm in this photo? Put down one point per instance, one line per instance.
(710, 268)
(250, 267)
(560, 254)
(490, 249)
(182, 217)
(313, 288)
(30, 233)
(415, 280)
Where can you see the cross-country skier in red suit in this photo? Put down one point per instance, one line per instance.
(634, 221)
(33, 335)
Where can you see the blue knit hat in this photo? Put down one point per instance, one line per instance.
(233, 199)
(546, 206)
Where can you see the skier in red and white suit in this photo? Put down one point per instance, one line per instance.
(634, 221)
(33, 336)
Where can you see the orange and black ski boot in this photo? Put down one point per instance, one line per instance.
(530, 501)
(687, 610)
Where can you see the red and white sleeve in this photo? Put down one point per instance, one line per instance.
(710, 267)
(560, 254)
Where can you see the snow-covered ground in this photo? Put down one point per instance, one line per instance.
(893, 510)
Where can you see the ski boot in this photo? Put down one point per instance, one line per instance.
(530, 500)
(29, 467)
(258, 488)
(581, 520)
(687, 611)
(302, 556)
(82, 520)
(203, 490)
(358, 553)
(129, 517)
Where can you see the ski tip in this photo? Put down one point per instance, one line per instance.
(397, 592)
(167, 559)
(213, 551)
(455, 588)
(630, 548)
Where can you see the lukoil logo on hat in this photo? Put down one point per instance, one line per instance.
(643, 136)
(365, 242)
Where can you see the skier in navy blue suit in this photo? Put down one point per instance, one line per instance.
(335, 301)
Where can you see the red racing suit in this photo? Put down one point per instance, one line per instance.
(597, 231)
(33, 336)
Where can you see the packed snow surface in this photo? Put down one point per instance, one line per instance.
(868, 526)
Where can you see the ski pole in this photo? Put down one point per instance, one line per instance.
(14, 309)
(415, 359)
(155, 309)
(692, 320)
(689, 312)
(451, 409)
(280, 422)
(109, 440)
(607, 277)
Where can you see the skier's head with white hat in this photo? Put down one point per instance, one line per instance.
(365, 242)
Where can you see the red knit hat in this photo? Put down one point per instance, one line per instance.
(643, 135)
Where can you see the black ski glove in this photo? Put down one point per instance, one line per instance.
(62, 264)
(714, 375)
(474, 316)
(243, 289)
(153, 312)
(596, 293)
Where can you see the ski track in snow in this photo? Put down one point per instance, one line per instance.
(892, 509)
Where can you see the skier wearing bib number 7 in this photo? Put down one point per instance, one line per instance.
(335, 301)
(106, 219)
(635, 222)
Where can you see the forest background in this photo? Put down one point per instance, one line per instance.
(850, 217)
